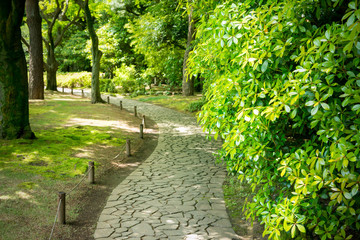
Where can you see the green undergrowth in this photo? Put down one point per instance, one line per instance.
(176, 102)
(69, 131)
(74, 79)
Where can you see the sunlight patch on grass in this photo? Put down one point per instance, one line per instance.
(51, 155)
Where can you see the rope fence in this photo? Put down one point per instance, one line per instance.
(125, 151)
(56, 215)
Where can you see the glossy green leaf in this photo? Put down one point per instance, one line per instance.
(301, 228)
(264, 66)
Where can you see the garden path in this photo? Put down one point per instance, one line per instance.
(176, 193)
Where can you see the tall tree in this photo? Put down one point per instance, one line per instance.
(95, 52)
(52, 12)
(14, 106)
(188, 81)
(36, 64)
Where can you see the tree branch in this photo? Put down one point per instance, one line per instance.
(63, 12)
(23, 40)
(47, 44)
(60, 36)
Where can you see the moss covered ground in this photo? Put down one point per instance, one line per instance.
(70, 132)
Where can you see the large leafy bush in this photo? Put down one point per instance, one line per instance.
(283, 92)
(126, 77)
(74, 79)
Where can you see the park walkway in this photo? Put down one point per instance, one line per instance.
(176, 193)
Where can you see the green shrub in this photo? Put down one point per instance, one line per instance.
(195, 106)
(284, 94)
(125, 77)
(74, 79)
(107, 85)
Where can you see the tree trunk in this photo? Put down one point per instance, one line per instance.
(95, 81)
(14, 104)
(96, 53)
(52, 66)
(36, 77)
(188, 81)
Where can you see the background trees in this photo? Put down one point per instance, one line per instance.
(159, 35)
(283, 92)
(149, 35)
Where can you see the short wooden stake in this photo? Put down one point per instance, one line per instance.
(63, 89)
(72, 90)
(135, 111)
(121, 107)
(82, 92)
(143, 121)
(61, 205)
(108, 99)
(91, 172)
(128, 152)
(141, 131)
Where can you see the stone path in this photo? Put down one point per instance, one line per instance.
(176, 193)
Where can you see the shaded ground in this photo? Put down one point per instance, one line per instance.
(235, 194)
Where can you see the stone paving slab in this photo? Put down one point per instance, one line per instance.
(174, 194)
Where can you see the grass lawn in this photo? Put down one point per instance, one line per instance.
(71, 132)
(176, 102)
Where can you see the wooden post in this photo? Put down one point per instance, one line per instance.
(82, 93)
(141, 131)
(91, 172)
(135, 111)
(72, 90)
(143, 121)
(108, 99)
(61, 205)
(121, 107)
(128, 150)
(63, 89)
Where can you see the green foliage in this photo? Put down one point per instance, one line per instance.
(108, 46)
(71, 55)
(159, 35)
(74, 79)
(283, 92)
(125, 77)
(107, 85)
(195, 106)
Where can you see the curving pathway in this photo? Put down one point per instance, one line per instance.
(176, 193)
